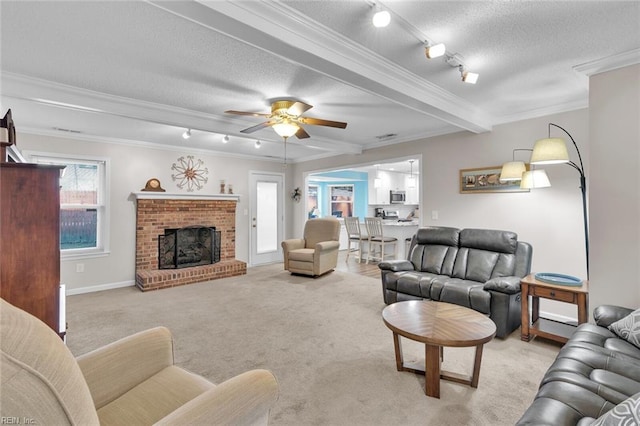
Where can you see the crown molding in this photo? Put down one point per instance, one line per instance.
(609, 63)
(59, 95)
(542, 112)
(285, 32)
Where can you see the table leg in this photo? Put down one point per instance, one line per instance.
(432, 371)
(524, 315)
(476, 367)
(398, 349)
(583, 307)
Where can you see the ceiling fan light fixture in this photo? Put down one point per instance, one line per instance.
(286, 129)
(435, 50)
(186, 134)
(381, 19)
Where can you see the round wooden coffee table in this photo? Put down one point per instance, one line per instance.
(438, 324)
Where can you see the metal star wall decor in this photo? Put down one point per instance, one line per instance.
(190, 173)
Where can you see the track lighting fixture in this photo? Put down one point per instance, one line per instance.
(186, 134)
(468, 77)
(257, 144)
(434, 50)
(225, 139)
(381, 19)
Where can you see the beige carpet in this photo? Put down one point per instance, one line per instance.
(324, 340)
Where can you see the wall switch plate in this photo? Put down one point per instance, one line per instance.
(434, 214)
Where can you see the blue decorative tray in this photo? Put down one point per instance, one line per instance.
(558, 279)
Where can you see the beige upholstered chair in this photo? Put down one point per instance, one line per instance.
(377, 239)
(317, 252)
(356, 236)
(130, 382)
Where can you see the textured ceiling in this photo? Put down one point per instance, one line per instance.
(142, 72)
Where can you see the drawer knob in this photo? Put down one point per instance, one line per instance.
(553, 294)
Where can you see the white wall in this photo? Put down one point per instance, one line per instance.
(550, 219)
(131, 167)
(614, 117)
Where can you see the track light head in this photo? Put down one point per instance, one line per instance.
(258, 144)
(468, 77)
(225, 139)
(186, 134)
(381, 19)
(435, 50)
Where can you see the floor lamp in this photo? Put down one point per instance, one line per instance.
(554, 151)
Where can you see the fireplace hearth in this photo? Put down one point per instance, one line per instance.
(189, 246)
(158, 212)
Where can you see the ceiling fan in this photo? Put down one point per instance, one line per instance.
(286, 119)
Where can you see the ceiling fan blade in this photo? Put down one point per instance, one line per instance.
(298, 108)
(320, 122)
(257, 127)
(302, 134)
(254, 114)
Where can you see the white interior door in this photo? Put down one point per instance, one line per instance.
(267, 218)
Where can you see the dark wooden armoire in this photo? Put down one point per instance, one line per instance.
(30, 239)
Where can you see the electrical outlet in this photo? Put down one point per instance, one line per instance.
(434, 214)
(79, 267)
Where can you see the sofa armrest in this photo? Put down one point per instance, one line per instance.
(327, 246)
(242, 400)
(114, 369)
(396, 265)
(507, 285)
(605, 315)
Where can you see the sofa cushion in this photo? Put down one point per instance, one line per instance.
(302, 255)
(490, 240)
(623, 414)
(434, 235)
(465, 293)
(628, 328)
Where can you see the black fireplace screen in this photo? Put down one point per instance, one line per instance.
(189, 246)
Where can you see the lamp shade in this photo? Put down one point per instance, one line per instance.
(286, 129)
(535, 179)
(550, 151)
(512, 170)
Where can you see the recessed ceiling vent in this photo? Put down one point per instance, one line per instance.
(60, 129)
(386, 137)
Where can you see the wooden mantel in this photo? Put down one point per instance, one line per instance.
(151, 195)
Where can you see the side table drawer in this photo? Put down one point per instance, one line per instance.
(551, 293)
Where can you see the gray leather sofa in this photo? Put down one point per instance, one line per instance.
(594, 372)
(477, 268)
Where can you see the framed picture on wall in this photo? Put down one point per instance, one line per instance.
(486, 179)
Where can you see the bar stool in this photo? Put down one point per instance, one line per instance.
(355, 236)
(376, 238)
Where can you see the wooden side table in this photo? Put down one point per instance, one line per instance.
(549, 329)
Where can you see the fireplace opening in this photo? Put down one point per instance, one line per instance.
(188, 246)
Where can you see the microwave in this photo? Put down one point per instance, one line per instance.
(397, 197)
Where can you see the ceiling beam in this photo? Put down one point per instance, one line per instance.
(283, 31)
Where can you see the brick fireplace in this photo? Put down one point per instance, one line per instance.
(156, 212)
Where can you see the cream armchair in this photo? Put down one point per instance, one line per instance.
(317, 252)
(132, 381)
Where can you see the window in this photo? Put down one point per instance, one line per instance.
(83, 206)
(341, 200)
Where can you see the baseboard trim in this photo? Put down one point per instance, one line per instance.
(100, 287)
